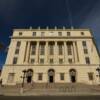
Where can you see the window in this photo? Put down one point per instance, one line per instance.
(32, 61)
(17, 51)
(70, 60)
(51, 49)
(60, 61)
(33, 51)
(84, 43)
(90, 75)
(59, 33)
(69, 49)
(61, 76)
(20, 33)
(42, 33)
(60, 49)
(42, 49)
(34, 33)
(15, 60)
(51, 61)
(82, 33)
(68, 33)
(87, 60)
(85, 51)
(18, 44)
(11, 77)
(40, 76)
(41, 61)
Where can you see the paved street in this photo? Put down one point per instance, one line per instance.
(50, 98)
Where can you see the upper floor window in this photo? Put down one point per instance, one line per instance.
(68, 34)
(51, 61)
(41, 61)
(90, 75)
(87, 60)
(60, 49)
(60, 61)
(84, 43)
(34, 33)
(32, 61)
(18, 44)
(85, 51)
(59, 33)
(82, 33)
(42, 49)
(69, 49)
(15, 60)
(61, 76)
(51, 49)
(20, 33)
(17, 51)
(33, 50)
(70, 60)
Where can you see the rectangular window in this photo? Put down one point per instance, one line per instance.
(41, 61)
(61, 76)
(68, 34)
(17, 51)
(60, 61)
(33, 50)
(59, 33)
(40, 76)
(51, 61)
(69, 49)
(60, 49)
(42, 49)
(15, 60)
(82, 33)
(34, 33)
(18, 44)
(70, 60)
(51, 49)
(87, 60)
(85, 51)
(32, 61)
(84, 43)
(20, 33)
(10, 77)
(90, 75)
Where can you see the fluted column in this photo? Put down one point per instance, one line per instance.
(37, 52)
(46, 53)
(55, 53)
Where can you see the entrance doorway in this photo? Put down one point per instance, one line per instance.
(51, 74)
(29, 75)
(72, 73)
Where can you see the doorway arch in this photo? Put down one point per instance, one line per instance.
(51, 74)
(72, 73)
(29, 75)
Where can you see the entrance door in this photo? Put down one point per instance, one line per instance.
(51, 75)
(29, 75)
(73, 75)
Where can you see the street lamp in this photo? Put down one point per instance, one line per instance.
(23, 77)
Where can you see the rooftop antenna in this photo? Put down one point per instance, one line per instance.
(69, 14)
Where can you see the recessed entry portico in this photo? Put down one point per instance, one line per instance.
(51, 75)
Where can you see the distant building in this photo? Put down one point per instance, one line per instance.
(51, 56)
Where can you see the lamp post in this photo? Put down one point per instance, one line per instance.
(23, 77)
(98, 70)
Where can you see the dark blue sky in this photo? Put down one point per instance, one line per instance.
(26, 13)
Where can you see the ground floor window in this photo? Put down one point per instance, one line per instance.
(61, 76)
(90, 76)
(40, 76)
(11, 77)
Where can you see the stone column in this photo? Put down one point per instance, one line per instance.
(65, 52)
(46, 53)
(37, 52)
(55, 53)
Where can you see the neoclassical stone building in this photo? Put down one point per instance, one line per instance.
(51, 56)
